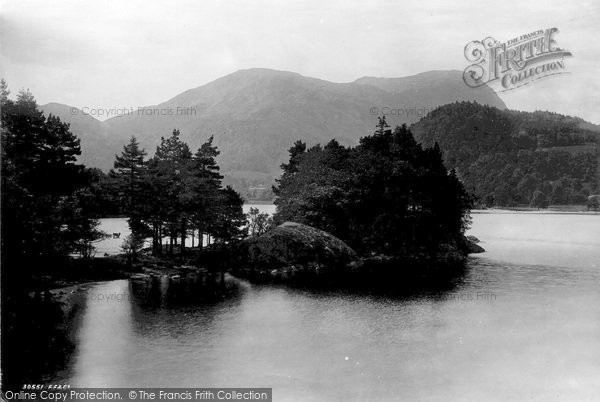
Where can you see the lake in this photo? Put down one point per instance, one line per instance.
(112, 244)
(523, 323)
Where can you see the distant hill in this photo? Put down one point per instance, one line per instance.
(587, 125)
(98, 144)
(505, 157)
(435, 88)
(256, 115)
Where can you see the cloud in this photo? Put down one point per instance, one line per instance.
(142, 52)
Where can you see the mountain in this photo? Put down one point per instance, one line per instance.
(434, 88)
(98, 144)
(508, 157)
(255, 116)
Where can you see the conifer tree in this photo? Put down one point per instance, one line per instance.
(229, 219)
(206, 185)
(41, 182)
(170, 170)
(130, 169)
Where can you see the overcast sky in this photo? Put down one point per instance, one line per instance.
(134, 53)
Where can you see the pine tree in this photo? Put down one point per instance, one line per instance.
(230, 219)
(4, 92)
(170, 171)
(130, 170)
(386, 195)
(130, 167)
(206, 185)
(295, 152)
(382, 126)
(41, 182)
(258, 222)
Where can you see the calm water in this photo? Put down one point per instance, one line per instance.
(523, 324)
(112, 245)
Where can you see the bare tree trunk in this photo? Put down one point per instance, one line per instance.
(160, 237)
(200, 238)
(155, 238)
(183, 236)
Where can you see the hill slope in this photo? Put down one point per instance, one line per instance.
(256, 115)
(435, 88)
(505, 157)
(98, 144)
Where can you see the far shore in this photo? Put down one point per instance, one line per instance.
(553, 209)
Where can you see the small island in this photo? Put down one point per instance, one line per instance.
(384, 212)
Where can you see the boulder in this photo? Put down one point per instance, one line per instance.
(473, 239)
(293, 244)
(473, 248)
(468, 245)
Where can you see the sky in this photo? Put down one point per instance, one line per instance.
(130, 53)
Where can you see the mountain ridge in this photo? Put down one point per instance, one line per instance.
(256, 114)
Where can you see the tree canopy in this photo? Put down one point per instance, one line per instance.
(177, 193)
(387, 195)
(505, 157)
(44, 191)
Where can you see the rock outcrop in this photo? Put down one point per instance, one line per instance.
(294, 244)
(471, 245)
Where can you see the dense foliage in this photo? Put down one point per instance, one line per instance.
(50, 206)
(46, 204)
(507, 157)
(45, 193)
(258, 222)
(386, 195)
(175, 194)
(50, 203)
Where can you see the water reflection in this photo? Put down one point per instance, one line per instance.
(167, 291)
(537, 338)
(337, 346)
(558, 240)
(37, 337)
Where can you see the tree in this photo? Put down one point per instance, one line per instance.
(382, 126)
(386, 195)
(181, 193)
(295, 152)
(4, 92)
(169, 172)
(491, 148)
(104, 199)
(527, 186)
(539, 200)
(131, 246)
(206, 184)
(503, 195)
(130, 170)
(562, 191)
(40, 182)
(87, 233)
(258, 222)
(230, 219)
(82, 229)
(593, 202)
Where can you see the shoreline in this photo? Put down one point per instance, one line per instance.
(533, 211)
